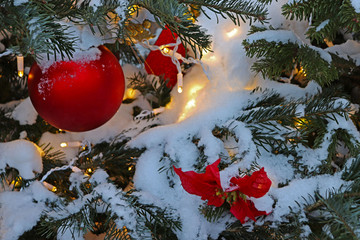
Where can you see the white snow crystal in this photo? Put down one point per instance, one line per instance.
(23, 155)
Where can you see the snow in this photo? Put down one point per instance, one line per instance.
(19, 2)
(25, 112)
(20, 211)
(282, 36)
(347, 50)
(81, 56)
(23, 155)
(322, 25)
(356, 5)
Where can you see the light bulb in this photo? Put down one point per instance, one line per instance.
(63, 144)
(20, 65)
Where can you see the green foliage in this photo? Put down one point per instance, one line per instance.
(212, 214)
(35, 30)
(328, 20)
(339, 14)
(178, 19)
(155, 90)
(339, 213)
(352, 172)
(236, 231)
(277, 58)
(234, 9)
(160, 222)
(115, 158)
(96, 216)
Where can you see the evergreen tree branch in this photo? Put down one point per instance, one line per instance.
(178, 19)
(234, 9)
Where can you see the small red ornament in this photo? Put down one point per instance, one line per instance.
(78, 95)
(160, 65)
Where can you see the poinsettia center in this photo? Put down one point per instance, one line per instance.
(232, 197)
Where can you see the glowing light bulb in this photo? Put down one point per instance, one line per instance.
(232, 33)
(49, 186)
(63, 144)
(212, 58)
(165, 50)
(20, 65)
(70, 144)
(130, 93)
(180, 82)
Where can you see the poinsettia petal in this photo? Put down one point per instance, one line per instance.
(254, 210)
(242, 209)
(256, 185)
(204, 185)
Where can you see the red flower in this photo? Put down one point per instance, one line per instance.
(256, 185)
(245, 208)
(206, 185)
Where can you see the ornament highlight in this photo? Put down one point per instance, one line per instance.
(78, 95)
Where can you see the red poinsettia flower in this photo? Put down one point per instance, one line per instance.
(206, 185)
(245, 208)
(256, 185)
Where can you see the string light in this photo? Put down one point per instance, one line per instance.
(49, 186)
(232, 33)
(130, 93)
(175, 58)
(301, 122)
(165, 50)
(302, 71)
(148, 114)
(16, 182)
(180, 82)
(70, 144)
(20, 65)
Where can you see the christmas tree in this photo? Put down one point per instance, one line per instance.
(179, 119)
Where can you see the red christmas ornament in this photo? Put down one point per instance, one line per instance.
(160, 65)
(78, 95)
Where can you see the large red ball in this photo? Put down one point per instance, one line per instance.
(78, 95)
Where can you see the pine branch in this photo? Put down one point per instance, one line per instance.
(331, 15)
(35, 30)
(352, 172)
(341, 214)
(233, 9)
(155, 89)
(178, 19)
